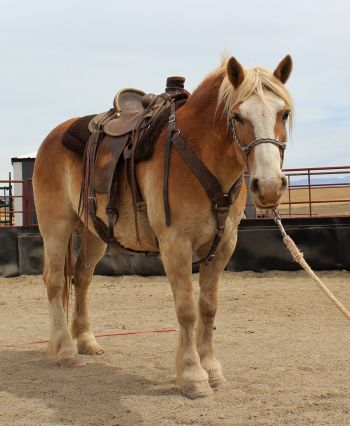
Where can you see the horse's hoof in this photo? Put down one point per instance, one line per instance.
(197, 390)
(90, 349)
(70, 362)
(218, 382)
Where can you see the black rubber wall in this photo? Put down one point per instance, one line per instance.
(325, 243)
(9, 263)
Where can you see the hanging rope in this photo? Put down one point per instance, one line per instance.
(298, 257)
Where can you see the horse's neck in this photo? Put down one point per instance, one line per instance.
(204, 127)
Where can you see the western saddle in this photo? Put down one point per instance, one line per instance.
(128, 107)
(125, 132)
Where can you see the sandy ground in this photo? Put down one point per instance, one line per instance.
(283, 346)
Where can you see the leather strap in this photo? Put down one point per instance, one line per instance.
(151, 116)
(87, 200)
(209, 182)
(102, 231)
(87, 193)
(221, 201)
(221, 213)
(167, 153)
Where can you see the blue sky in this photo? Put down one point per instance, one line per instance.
(61, 59)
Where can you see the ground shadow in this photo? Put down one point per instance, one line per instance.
(79, 396)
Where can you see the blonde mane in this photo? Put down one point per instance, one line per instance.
(256, 81)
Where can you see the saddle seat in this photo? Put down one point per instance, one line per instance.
(129, 106)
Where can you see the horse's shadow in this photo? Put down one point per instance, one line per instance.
(78, 395)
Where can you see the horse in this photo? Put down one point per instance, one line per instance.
(235, 119)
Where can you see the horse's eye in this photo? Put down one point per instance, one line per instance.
(238, 118)
(285, 116)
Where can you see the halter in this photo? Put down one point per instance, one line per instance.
(246, 149)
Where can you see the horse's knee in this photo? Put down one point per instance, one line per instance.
(186, 312)
(185, 317)
(54, 286)
(82, 278)
(207, 308)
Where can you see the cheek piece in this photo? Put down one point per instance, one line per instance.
(246, 149)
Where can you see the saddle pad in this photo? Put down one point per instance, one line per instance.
(77, 134)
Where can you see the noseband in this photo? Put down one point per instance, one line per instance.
(246, 149)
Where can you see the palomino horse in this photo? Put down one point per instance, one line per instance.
(236, 118)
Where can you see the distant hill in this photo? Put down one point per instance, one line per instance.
(330, 179)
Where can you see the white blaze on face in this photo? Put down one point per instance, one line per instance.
(265, 162)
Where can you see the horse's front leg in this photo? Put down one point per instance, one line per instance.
(208, 299)
(176, 254)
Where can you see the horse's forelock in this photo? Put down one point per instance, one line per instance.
(256, 81)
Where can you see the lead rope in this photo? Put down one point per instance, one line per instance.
(298, 257)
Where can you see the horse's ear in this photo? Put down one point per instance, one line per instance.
(284, 68)
(235, 72)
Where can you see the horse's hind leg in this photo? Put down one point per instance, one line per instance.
(84, 269)
(61, 346)
(177, 256)
(209, 282)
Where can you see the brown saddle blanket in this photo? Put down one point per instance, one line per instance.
(78, 133)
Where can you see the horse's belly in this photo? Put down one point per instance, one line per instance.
(125, 231)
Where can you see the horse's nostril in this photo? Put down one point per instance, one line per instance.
(284, 182)
(254, 185)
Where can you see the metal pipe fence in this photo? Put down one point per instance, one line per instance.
(17, 203)
(312, 192)
(315, 192)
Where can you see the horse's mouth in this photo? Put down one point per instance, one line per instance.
(266, 206)
(269, 204)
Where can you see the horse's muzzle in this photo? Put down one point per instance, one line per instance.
(267, 192)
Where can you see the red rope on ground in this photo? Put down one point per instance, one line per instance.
(127, 333)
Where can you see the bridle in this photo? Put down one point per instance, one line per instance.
(246, 149)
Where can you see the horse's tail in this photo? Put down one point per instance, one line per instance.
(68, 275)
